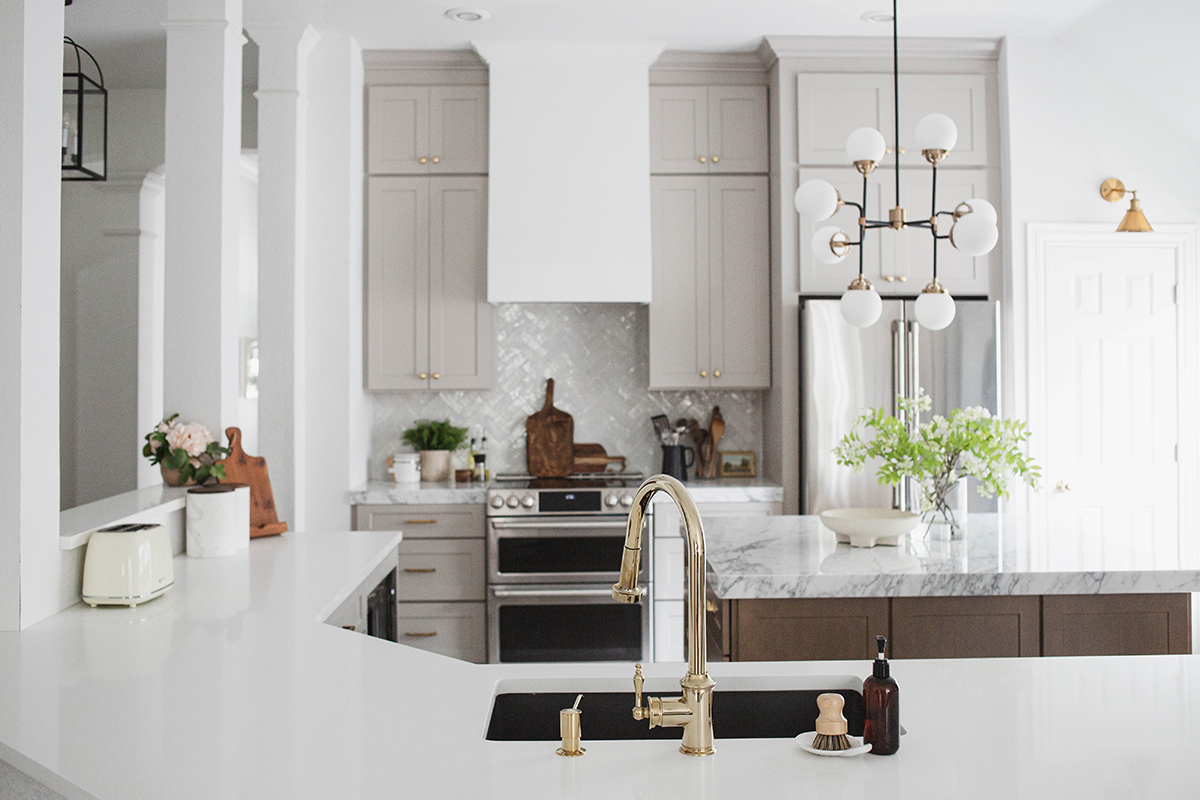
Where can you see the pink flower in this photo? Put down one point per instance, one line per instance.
(192, 437)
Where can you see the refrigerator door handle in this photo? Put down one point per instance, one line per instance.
(900, 375)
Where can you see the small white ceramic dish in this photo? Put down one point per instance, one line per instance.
(867, 527)
(805, 741)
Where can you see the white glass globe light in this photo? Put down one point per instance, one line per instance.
(936, 132)
(974, 234)
(861, 307)
(817, 200)
(821, 248)
(935, 310)
(865, 144)
(982, 208)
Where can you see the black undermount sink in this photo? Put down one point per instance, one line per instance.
(737, 714)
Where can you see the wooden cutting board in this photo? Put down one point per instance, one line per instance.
(252, 471)
(549, 440)
(591, 457)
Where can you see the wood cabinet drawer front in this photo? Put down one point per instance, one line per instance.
(458, 630)
(441, 569)
(966, 627)
(424, 521)
(1127, 624)
(816, 629)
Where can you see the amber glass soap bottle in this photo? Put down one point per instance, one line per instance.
(881, 696)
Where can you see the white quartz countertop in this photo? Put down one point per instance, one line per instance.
(721, 490)
(797, 556)
(229, 687)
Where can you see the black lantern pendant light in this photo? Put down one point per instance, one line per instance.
(85, 117)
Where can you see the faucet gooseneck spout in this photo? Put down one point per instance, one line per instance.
(693, 710)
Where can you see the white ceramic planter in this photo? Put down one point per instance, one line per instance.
(435, 465)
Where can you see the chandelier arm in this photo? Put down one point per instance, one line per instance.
(933, 193)
(896, 91)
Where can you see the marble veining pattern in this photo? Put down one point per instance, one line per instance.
(434, 494)
(797, 556)
(598, 355)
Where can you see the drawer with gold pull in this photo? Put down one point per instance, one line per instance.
(427, 521)
(441, 569)
(452, 629)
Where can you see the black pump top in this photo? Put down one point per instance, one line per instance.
(881, 669)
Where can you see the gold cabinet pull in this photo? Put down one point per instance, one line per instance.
(703, 373)
(889, 278)
(716, 373)
(422, 570)
(419, 634)
(420, 522)
(715, 159)
(436, 375)
(1063, 486)
(902, 278)
(422, 375)
(703, 159)
(422, 159)
(349, 627)
(436, 159)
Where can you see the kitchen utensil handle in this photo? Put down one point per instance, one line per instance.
(549, 394)
(692, 463)
(498, 592)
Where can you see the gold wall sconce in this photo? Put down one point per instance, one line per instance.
(1135, 221)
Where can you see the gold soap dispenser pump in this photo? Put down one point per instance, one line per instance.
(570, 728)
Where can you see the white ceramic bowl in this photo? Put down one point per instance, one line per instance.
(867, 527)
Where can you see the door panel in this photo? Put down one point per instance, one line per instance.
(679, 309)
(737, 129)
(458, 129)
(397, 308)
(397, 129)
(678, 129)
(740, 265)
(832, 279)
(831, 105)
(460, 321)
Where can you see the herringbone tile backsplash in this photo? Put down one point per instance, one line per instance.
(598, 355)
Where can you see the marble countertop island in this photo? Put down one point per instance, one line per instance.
(721, 490)
(797, 556)
(230, 686)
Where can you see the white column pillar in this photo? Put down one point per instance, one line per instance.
(203, 152)
(283, 52)
(30, 193)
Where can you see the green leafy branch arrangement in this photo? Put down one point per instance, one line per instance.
(189, 448)
(941, 452)
(431, 435)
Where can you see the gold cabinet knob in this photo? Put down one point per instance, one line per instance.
(703, 159)
(716, 373)
(1063, 486)
(902, 278)
(436, 159)
(422, 159)
(715, 159)
(703, 373)
(422, 375)
(436, 375)
(889, 278)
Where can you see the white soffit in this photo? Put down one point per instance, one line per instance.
(569, 171)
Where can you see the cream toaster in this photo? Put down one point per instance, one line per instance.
(126, 565)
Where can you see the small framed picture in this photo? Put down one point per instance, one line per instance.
(737, 463)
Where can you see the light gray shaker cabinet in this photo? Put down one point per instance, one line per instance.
(428, 323)
(427, 130)
(708, 130)
(709, 320)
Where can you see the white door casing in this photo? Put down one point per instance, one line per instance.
(1111, 353)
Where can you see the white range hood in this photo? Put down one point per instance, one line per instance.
(569, 171)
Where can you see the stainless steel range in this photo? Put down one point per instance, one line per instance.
(554, 553)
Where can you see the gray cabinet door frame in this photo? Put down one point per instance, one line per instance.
(679, 309)
(740, 279)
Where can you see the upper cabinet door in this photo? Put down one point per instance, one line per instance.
(737, 129)
(458, 130)
(397, 130)
(679, 309)
(963, 98)
(829, 106)
(678, 129)
(740, 276)
(818, 278)
(460, 319)
(397, 304)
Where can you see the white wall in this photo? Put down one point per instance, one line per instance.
(338, 413)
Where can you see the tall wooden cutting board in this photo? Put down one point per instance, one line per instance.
(549, 440)
(252, 471)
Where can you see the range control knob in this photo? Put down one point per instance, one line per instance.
(611, 500)
(512, 501)
(497, 501)
(627, 500)
(527, 501)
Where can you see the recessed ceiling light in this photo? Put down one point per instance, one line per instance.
(468, 14)
(877, 16)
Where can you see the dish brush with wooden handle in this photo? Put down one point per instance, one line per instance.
(831, 724)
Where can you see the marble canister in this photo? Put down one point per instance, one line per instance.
(218, 520)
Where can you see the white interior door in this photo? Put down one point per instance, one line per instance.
(1110, 394)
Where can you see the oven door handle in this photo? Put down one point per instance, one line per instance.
(504, 526)
(502, 593)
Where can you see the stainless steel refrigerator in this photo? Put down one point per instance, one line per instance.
(844, 369)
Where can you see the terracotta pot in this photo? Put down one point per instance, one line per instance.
(435, 465)
(171, 477)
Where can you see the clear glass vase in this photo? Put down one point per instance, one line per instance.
(945, 512)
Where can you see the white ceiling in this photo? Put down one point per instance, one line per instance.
(129, 38)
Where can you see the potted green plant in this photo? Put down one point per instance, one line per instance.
(186, 454)
(940, 454)
(434, 441)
